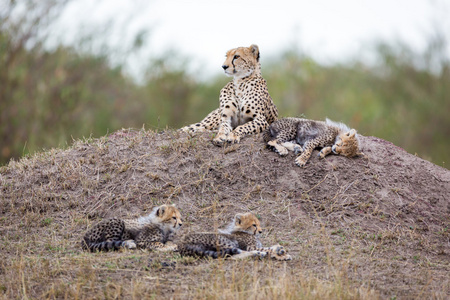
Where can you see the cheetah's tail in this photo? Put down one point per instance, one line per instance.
(267, 136)
(222, 252)
(192, 250)
(103, 246)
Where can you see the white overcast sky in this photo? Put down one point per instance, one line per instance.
(203, 30)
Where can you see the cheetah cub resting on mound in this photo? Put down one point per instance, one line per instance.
(303, 136)
(148, 232)
(239, 240)
(245, 104)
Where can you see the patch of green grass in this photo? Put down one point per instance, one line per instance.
(47, 221)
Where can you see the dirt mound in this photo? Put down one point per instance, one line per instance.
(376, 225)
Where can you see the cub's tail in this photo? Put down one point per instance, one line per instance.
(198, 251)
(267, 136)
(102, 246)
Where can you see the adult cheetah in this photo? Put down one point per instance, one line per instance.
(245, 104)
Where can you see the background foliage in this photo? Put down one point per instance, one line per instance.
(50, 96)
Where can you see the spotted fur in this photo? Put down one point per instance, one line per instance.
(245, 104)
(239, 240)
(303, 136)
(148, 232)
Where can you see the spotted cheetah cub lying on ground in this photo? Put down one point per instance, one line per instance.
(245, 104)
(303, 136)
(239, 240)
(148, 232)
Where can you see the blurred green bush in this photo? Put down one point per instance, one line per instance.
(48, 97)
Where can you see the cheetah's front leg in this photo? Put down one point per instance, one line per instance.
(294, 147)
(308, 148)
(222, 136)
(151, 239)
(228, 112)
(257, 125)
(245, 254)
(324, 152)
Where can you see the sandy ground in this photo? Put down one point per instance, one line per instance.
(381, 221)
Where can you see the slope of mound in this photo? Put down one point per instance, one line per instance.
(368, 227)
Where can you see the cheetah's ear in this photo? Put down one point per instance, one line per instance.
(351, 133)
(237, 218)
(161, 210)
(255, 50)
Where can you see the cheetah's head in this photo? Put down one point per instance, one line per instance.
(248, 223)
(241, 62)
(168, 216)
(347, 144)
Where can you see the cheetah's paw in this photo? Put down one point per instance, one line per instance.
(279, 253)
(220, 139)
(129, 244)
(299, 161)
(233, 138)
(298, 149)
(281, 151)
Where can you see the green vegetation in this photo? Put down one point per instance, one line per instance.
(50, 96)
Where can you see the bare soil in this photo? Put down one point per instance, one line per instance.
(370, 227)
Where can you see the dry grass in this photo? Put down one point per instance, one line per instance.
(366, 228)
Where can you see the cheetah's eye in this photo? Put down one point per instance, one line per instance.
(254, 225)
(174, 218)
(236, 57)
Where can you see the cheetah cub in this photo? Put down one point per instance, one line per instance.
(148, 232)
(239, 240)
(303, 136)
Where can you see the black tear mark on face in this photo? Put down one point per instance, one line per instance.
(236, 56)
(232, 62)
